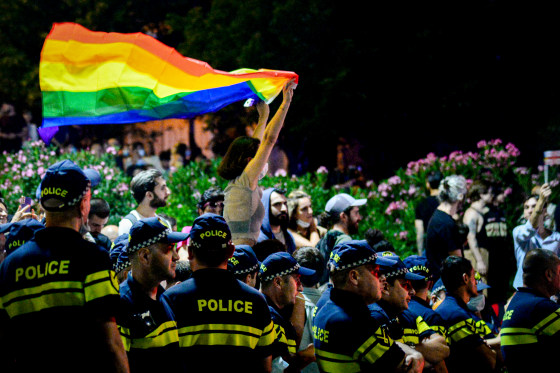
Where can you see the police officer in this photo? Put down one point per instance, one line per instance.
(404, 325)
(244, 265)
(472, 344)
(280, 283)
(19, 233)
(346, 337)
(149, 335)
(419, 302)
(58, 292)
(531, 326)
(224, 324)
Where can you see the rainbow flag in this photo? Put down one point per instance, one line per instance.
(91, 77)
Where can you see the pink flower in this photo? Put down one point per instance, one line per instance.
(481, 144)
(394, 180)
(281, 173)
(322, 170)
(403, 235)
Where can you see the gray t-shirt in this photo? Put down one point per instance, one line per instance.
(243, 209)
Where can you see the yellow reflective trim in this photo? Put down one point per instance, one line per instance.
(374, 347)
(410, 336)
(440, 329)
(268, 336)
(550, 325)
(517, 336)
(125, 337)
(37, 298)
(162, 336)
(460, 330)
(100, 284)
(333, 362)
(421, 325)
(219, 335)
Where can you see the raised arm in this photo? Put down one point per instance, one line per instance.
(271, 132)
(471, 220)
(540, 207)
(264, 111)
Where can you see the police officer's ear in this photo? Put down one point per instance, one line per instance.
(144, 255)
(85, 206)
(190, 252)
(277, 282)
(230, 249)
(354, 277)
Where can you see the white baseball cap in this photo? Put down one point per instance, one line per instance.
(342, 201)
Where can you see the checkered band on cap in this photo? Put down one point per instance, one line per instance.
(247, 270)
(119, 266)
(283, 273)
(199, 245)
(360, 262)
(397, 273)
(146, 243)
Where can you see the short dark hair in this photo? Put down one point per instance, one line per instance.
(211, 194)
(237, 156)
(312, 258)
(434, 178)
(143, 182)
(452, 271)
(99, 207)
(266, 247)
(210, 255)
(183, 270)
(535, 264)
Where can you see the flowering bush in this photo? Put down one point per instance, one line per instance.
(391, 202)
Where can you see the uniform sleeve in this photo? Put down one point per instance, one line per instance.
(101, 288)
(379, 352)
(267, 336)
(465, 333)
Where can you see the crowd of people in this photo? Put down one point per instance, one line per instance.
(259, 282)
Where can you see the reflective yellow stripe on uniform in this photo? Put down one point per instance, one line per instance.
(268, 336)
(374, 347)
(550, 325)
(517, 336)
(281, 337)
(421, 325)
(219, 335)
(100, 284)
(162, 336)
(37, 298)
(410, 336)
(462, 329)
(440, 329)
(331, 362)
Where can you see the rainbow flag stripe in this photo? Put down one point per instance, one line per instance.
(89, 77)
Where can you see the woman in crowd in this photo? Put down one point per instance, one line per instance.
(302, 224)
(244, 165)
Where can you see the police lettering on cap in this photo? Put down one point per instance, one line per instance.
(398, 269)
(18, 233)
(419, 265)
(65, 184)
(352, 254)
(281, 264)
(211, 231)
(341, 202)
(146, 232)
(243, 260)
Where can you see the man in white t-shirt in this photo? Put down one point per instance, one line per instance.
(150, 191)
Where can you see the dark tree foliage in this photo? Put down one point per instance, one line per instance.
(401, 77)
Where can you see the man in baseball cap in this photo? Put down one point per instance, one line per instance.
(18, 233)
(244, 265)
(65, 184)
(280, 283)
(152, 255)
(343, 326)
(344, 217)
(64, 325)
(232, 317)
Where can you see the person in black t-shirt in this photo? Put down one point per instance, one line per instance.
(443, 236)
(426, 208)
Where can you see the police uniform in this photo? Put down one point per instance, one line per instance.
(149, 334)
(345, 335)
(57, 288)
(51, 289)
(223, 324)
(422, 308)
(465, 331)
(348, 339)
(530, 332)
